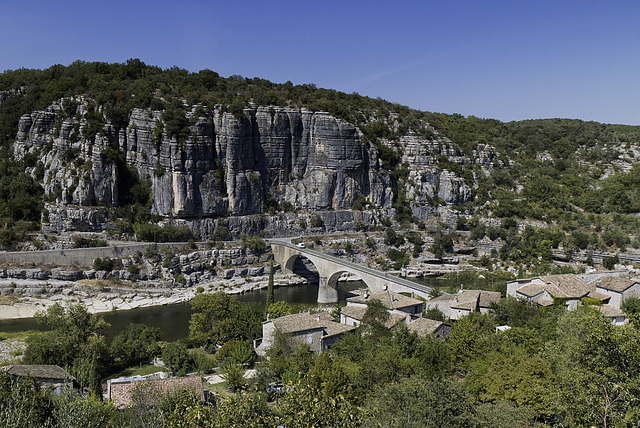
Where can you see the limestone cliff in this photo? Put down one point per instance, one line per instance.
(231, 165)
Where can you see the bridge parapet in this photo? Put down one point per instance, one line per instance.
(330, 269)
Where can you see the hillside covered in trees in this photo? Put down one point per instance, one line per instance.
(115, 148)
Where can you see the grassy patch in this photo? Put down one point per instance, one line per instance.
(19, 335)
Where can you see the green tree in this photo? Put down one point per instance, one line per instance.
(136, 343)
(414, 402)
(374, 319)
(176, 358)
(76, 342)
(219, 317)
(596, 376)
(270, 298)
(24, 403)
(469, 338)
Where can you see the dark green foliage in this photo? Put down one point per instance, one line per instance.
(176, 358)
(443, 243)
(254, 243)
(610, 262)
(221, 232)
(374, 319)
(414, 402)
(289, 359)
(76, 341)
(168, 233)
(137, 343)
(176, 123)
(20, 195)
(82, 242)
(359, 202)
(399, 258)
(236, 352)
(219, 317)
(631, 305)
(434, 314)
(270, 298)
(392, 238)
(24, 403)
(316, 221)
(107, 264)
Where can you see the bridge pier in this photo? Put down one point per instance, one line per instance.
(327, 293)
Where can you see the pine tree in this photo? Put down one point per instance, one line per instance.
(270, 298)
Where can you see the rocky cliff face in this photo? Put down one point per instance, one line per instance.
(229, 167)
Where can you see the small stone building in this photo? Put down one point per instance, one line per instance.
(607, 287)
(613, 314)
(47, 375)
(617, 288)
(544, 289)
(391, 301)
(127, 392)
(318, 330)
(457, 305)
(426, 326)
(352, 315)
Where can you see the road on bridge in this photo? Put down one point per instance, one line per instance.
(396, 283)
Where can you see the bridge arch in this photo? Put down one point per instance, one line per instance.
(330, 268)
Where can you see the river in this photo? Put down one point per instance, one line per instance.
(173, 320)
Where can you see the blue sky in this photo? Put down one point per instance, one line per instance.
(508, 60)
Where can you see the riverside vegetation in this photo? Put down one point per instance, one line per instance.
(553, 368)
(93, 152)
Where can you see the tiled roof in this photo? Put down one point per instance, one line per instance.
(306, 321)
(488, 297)
(531, 290)
(469, 299)
(424, 326)
(466, 299)
(610, 311)
(299, 322)
(332, 328)
(566, 286)
(614, 283)
(597, 295)
(389, 300)
(353, 311)
(147, 392)
(357, 312)
(39, 371)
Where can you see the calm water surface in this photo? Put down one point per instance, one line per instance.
(173, 320)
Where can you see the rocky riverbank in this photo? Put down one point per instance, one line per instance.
(105, 296)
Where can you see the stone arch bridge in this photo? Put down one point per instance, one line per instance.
(330, 269)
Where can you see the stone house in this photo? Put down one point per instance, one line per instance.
(617, 288)
(613, 314)
(391, 301)
(126, 392)
(352, 315)
(464, 302)
(607, 287)
(318, 330)
(544, 289)
(426, 326)
(402, 309)
(47, 375)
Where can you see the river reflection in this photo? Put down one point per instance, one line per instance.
(173, 320)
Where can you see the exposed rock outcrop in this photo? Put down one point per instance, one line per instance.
(228, 165)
